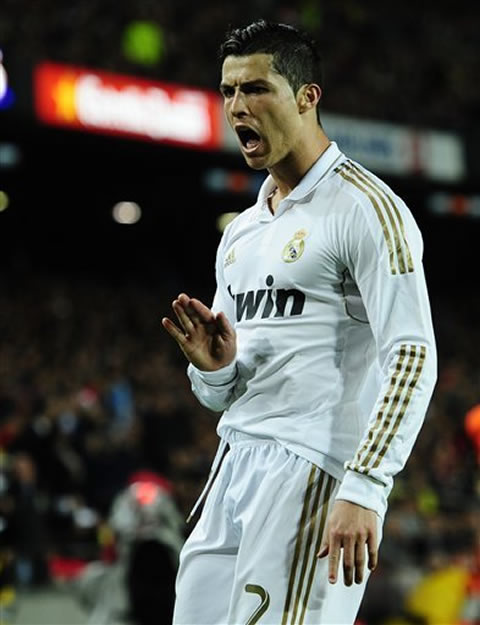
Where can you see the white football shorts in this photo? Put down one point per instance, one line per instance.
(252, 556)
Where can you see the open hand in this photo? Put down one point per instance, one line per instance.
(353, 529)
(207, 339)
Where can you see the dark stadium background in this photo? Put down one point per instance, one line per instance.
(58, 229)
(63, 191)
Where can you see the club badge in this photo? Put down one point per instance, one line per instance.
(295, 247)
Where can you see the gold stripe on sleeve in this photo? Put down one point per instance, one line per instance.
(401, 244)
(393, 405)
(381, 218)
(386, 400)
(403, 408)
(298, 544)
(402, 229)
(398, 249)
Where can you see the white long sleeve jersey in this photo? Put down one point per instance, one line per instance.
(336, 356)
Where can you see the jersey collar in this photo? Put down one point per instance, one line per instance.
(318, 171)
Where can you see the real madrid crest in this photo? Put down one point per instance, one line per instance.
(295, 247)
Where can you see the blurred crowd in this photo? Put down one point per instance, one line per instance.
(92, 390)
(413, 64)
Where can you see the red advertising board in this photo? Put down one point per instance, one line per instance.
(97, 101)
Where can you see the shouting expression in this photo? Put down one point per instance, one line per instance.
(261, 108)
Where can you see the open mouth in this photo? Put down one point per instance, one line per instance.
(248, 138)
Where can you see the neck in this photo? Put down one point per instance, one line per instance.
(288, 172)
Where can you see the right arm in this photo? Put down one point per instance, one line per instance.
(208, 341)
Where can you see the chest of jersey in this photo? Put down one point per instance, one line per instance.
(273, 268)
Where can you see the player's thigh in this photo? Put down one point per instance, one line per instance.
(276, 577)
(203, 590)
(207, 561)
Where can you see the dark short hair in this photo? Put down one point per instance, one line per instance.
(295, 54)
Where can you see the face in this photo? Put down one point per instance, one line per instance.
(261, 108)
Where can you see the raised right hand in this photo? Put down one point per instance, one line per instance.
(207, 339)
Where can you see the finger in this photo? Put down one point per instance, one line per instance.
(186, 302)
(359, 561)
(184, 299)
(172, 329)
(224, 325)
(372, 551)
(325, 545)
(323, 551)
(188, 307)
(348, 560)
(333, 560)
(204, 313)
(182, 316)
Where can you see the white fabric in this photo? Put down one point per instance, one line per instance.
(336, 352)
(261, 526)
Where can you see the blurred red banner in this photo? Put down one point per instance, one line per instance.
(97, 101)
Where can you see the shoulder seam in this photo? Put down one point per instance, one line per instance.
(387, 213)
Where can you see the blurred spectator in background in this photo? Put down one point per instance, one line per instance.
(27, 522)
(135, 577)
(472, 428)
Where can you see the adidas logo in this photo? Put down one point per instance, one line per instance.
(229, 258)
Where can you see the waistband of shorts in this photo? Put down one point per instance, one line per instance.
(240, 439)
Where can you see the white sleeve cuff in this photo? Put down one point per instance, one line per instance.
(364, 491)
(220, 377)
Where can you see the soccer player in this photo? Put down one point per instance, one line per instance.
(319, 350)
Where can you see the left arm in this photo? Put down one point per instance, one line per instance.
(385, 260)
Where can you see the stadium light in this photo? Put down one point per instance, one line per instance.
(4, 201)
(224, 219)
(126, 213)
(143, 42)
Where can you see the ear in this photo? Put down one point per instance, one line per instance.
(308, 97)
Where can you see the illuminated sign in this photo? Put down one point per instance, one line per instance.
(224, 181)
(103, 102)
(7, 97)
(3, 78)
(454, 205)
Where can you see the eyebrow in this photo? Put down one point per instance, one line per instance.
(248, 83)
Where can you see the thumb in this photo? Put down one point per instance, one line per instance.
(323, 551)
